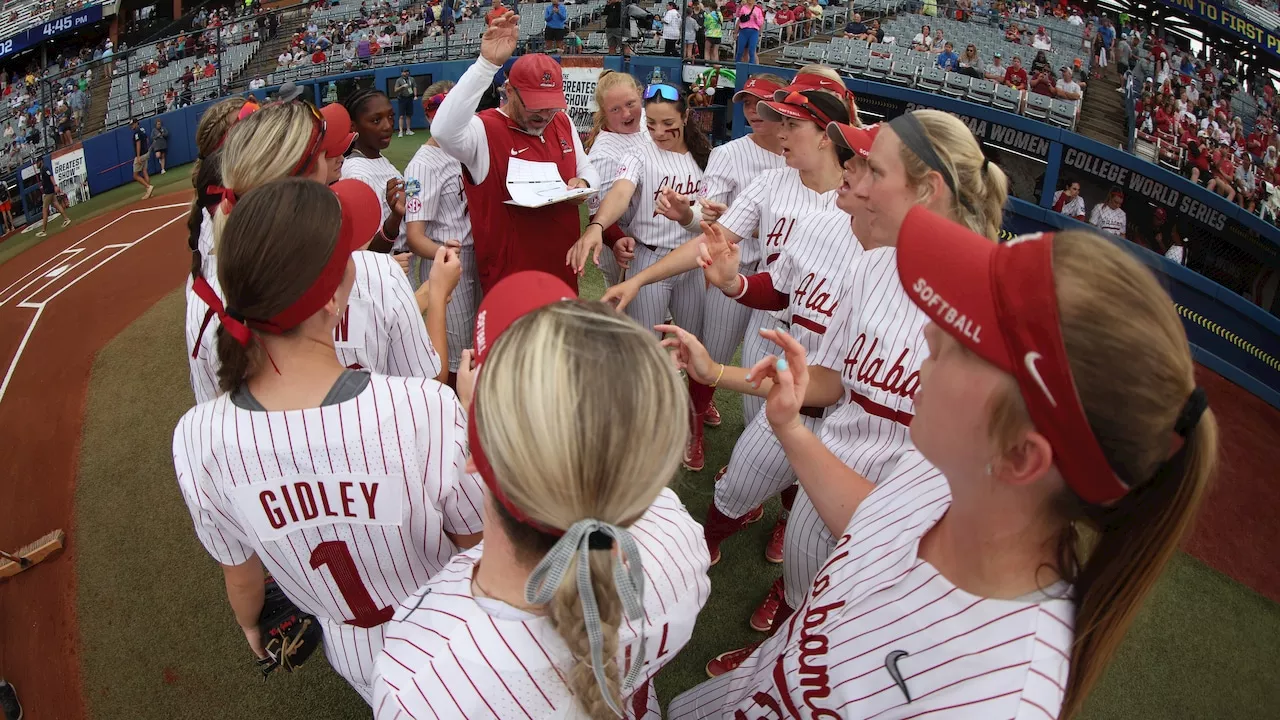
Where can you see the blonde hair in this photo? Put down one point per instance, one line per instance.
(437, 87)
(610, 80)
(561, 438)
(981, 188)
(266, 146)
(1133, 372)
(830, 73)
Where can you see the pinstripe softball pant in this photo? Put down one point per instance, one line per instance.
(758, 469)
(684, 295)
(460, 317)
(806, 546)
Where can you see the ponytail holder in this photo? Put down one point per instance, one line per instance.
(599, 541)
(1192, 409)
(228, 196)
(985, 163)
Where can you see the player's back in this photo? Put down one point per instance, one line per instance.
(450, 654)
(347, 504)
(733, 165)
(382, 328)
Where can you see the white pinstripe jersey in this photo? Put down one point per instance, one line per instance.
(381, 330)
(452, 655)
(205, 244)
(876, 342)
(347, 505)
(375, 172)
(876, 604)
(771, 206)
(606, 152)
(651, 168)
(734, 165)
(814, 271)
(437, 199)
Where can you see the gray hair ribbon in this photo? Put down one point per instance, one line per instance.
(628, 578)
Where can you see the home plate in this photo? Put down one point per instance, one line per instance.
(57, 271)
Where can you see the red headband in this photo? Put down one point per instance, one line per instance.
(432, 104)
(796, 105)
(491, 480)
(811, 81)
(361, 215)
(1000, 302)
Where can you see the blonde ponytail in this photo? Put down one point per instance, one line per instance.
(980, 186)
(565, 613)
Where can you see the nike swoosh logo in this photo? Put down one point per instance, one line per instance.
(1030, 361)
(891, 664)
(517, 152)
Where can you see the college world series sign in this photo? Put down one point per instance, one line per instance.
(1233, 22)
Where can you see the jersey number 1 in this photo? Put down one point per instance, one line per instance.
(346, 575)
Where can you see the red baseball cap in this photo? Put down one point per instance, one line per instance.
(857, 139)
(540, 81)
(757, 88)
(337, 135)
(512, 298)
(1000, 302)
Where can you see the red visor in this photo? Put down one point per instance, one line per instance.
(361, 215)
(808, 81)
(1000, 302)
(757, 88)
(857, 139)
(793, 105)
(512, 298)
(338, 135)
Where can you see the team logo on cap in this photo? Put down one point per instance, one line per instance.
(547, 82)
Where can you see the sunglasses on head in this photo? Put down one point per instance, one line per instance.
(317, 138)
(666, 92)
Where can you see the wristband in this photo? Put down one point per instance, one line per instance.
(718, 377)
(596, 224)
(743, 279)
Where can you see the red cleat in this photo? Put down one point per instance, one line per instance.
(729, 661)
(773, 551)
(694, 455)
(711, 418)
(718, 527)
(762, 619)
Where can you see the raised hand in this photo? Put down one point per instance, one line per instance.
(395, 196)
(500, 39)
(790, 377)
(673, 206)
(712, 210)
(689, 354)
(719, 259)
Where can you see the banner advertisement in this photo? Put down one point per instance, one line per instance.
(70, 173)
(581, 74)
(1236, 24)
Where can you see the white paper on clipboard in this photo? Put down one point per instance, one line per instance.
(537, 184)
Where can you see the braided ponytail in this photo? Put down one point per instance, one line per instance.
(208, 173)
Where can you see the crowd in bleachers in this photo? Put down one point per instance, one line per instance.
(355, 35)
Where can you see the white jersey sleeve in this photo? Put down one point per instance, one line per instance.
(450, 654)
(743, 216)
(606, 157)
(434, 195)
(376, 172)
(876, 605)
(733, 165)
(382, 329)
(766, 213)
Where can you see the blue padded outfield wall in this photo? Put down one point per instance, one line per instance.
(1230, 335)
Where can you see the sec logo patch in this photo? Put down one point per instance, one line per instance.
(413, 205)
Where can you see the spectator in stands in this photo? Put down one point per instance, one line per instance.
(784, 18)
(1224, 175)
(947, 59)
(670, 30)
(923, 41)
(1068, 201)
(1067, 88)
(144, 90)
(996, 71)
(855, 29)
(1106, 41)
(938, 40)
(49, 197)
(1013, 34)
(750, 19)
(690, 34)
(1042, 41)
(1042, 83)
(1247, 184)
(1040, 63)
(970, 63)
(713, 31)
(318, 57)
(1016, 76)
(1074, 19)
(1108, 216)
(210, 69)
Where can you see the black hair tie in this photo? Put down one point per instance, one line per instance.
(599, 541)
(1192, 409)
(235, 315)
(985, 163)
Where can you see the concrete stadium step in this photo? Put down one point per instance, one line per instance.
(1102, 116)
(99, 90)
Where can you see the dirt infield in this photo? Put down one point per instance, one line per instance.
(60, 303)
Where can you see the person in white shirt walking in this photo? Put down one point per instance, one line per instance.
(1108, 216)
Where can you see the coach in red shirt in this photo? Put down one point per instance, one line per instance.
(531, 125)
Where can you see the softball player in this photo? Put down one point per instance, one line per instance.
(1059, 391)
(210, 134)
(619, 130)
(374, 123)
(674, 161)
(349, 487)
(437, 216)
(382, 330)
(807, 284)
(545, 620)
(869, 359)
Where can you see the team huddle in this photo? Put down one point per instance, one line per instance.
(407, 417)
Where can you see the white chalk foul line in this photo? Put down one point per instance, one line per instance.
(40, 305)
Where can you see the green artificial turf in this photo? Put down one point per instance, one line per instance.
(159, 640)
